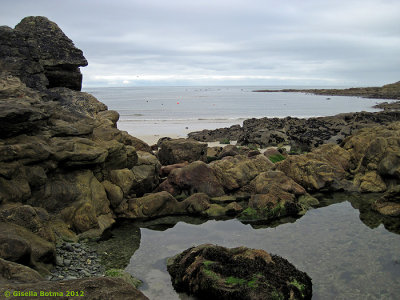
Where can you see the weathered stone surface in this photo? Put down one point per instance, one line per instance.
(300, 134)
(228, 150)
(389, 203)
(274, 195)
(40, 54)
(123, 178)
(214, 272)
(196, 177)
(181, 150)
(216, 210)
(35, 219)
(15, 273)
(266, 181)
(165, 170)
(323, 169)
(58, 56)
(374, 157)
(197, 203)
(92, 289)
(146, 173)
(75, 151)
(20, 108)
(22, 246)
(127, 139)
(235, 172)
(153, 205)
(84, 199)
(79, 102)
(114, 193)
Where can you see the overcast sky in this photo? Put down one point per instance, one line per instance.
(227, 42)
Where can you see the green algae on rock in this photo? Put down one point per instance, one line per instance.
(238, 273)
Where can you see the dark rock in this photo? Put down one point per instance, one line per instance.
(58, 56)
(11, 272)
(388, 91)
(389, 203)
(214, 272)
(301, 134)
(165, 170)
(89, 288)
(181, 150)
(197, 177)
(146, 173)
(22, 246)
(34, 219)
(40, 54)
(232, 134)
(228, 150)
(152, 205)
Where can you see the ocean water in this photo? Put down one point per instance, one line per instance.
(165, 111)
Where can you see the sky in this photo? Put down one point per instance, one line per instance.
(227, 42)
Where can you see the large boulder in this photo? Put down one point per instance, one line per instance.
(197, 177)
(150, 206)
(214, 272)
(88, 288)
(274, 195)
(234, 172)
(180, 150)
(374, 157)
(323, 169)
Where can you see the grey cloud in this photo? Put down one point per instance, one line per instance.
(259, 41)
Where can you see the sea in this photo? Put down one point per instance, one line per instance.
(153, 112)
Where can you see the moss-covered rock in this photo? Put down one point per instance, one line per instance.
(214, 272)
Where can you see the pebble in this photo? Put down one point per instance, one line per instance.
(75, 260)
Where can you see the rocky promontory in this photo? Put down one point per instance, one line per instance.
(388, 91)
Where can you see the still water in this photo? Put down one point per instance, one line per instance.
(345, 258)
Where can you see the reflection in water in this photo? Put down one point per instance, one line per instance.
(345, 258)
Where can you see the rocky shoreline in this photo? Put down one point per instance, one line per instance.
(388, 91)
(68, 174)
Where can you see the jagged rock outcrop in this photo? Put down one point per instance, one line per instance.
(41, 55)
(301, 134)
(214, 272)
(64, 165)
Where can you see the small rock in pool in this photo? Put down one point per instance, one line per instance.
(214, 272)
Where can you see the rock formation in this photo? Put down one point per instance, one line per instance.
(302, 135)
(214, 272)
(64, 165)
